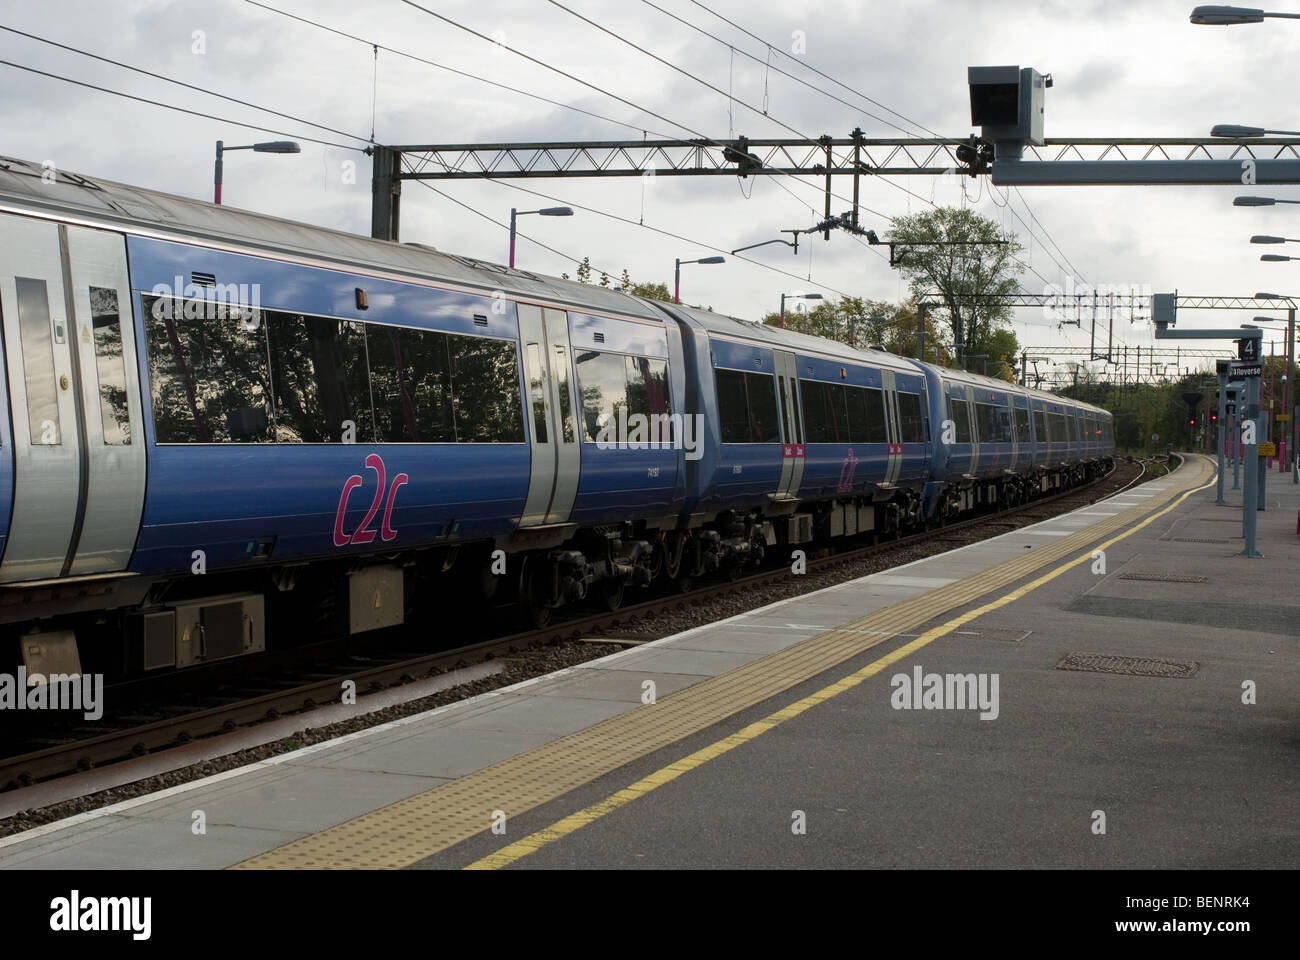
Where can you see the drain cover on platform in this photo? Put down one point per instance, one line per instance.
(1131, 666)
(1162, 577)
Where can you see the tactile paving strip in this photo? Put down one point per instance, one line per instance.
(420, 826)
(1131, 666)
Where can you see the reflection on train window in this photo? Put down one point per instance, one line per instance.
(110, 365)
(647, 394)
(866, 415)
(318, 371)
(211, 380)
(960, 420)
(825, 411)
(1040, 427)
(747, 407)
(911, 419)
(602, 384)
(38, 361)
(410, 384)
(537, 392)
(1022, 425)
(485, 390)
(562, 387)
(208, 372)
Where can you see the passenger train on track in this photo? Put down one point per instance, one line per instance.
(219, 420)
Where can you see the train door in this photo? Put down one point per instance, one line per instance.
(553, 433)
(70, 354)
(792, 446)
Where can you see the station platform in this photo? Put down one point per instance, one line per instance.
(1134, 683)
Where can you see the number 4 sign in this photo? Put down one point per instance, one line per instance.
(1248, 348)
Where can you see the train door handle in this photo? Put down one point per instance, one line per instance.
(63, 381)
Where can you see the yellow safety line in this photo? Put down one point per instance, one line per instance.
(521, 848)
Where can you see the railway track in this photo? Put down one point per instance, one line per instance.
(60, 759)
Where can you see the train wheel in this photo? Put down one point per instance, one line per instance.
(612, 595)
(536, 612)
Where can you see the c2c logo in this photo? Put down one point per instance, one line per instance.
(364, 535)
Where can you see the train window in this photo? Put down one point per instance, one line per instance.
(110, 365)
(960, 421)
(867, 415)
(647, 394)
(747, 407)
(785, 416)
(911, 419)
(410, 384)
(1056, 427)
(561, 369)
(733, 406)
(485, 391)
(986, 427)
(537, 392)
(38, 361)
(319, 378)
(1040, 427)
(602, 384)
(1022, 425)
(762, 408)
(826, 418)
(208, 372)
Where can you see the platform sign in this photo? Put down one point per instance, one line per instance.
(1242, 370)
(1267, 450)
(1248, 348)
(1282, 417)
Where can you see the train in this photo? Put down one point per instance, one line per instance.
(223, 426)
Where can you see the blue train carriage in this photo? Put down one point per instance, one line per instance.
(225, 421)
(805, 439)
(1073, 442)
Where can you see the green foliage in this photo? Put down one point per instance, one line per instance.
(964, 281)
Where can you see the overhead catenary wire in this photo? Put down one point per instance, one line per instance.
(179, 83)
(186, 110)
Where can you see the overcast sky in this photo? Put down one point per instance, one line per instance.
(1120, 69)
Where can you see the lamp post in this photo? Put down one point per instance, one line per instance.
(544, 212)
(677, 274)
(1287, 390)
(1259, 201)
(270, 146)
(796, 296)
(1221, 16)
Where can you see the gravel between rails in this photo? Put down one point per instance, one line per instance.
(543, 660)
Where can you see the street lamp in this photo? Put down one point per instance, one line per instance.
(1261, 238)
(677, 274)
(544, 212)
(1236, 131)
(796, 296)
(1259, 201)
(1229, 16)
(270, 146)
(1288, 379)
(1275, 258)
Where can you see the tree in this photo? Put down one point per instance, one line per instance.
(848, 321)
(966, 280)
